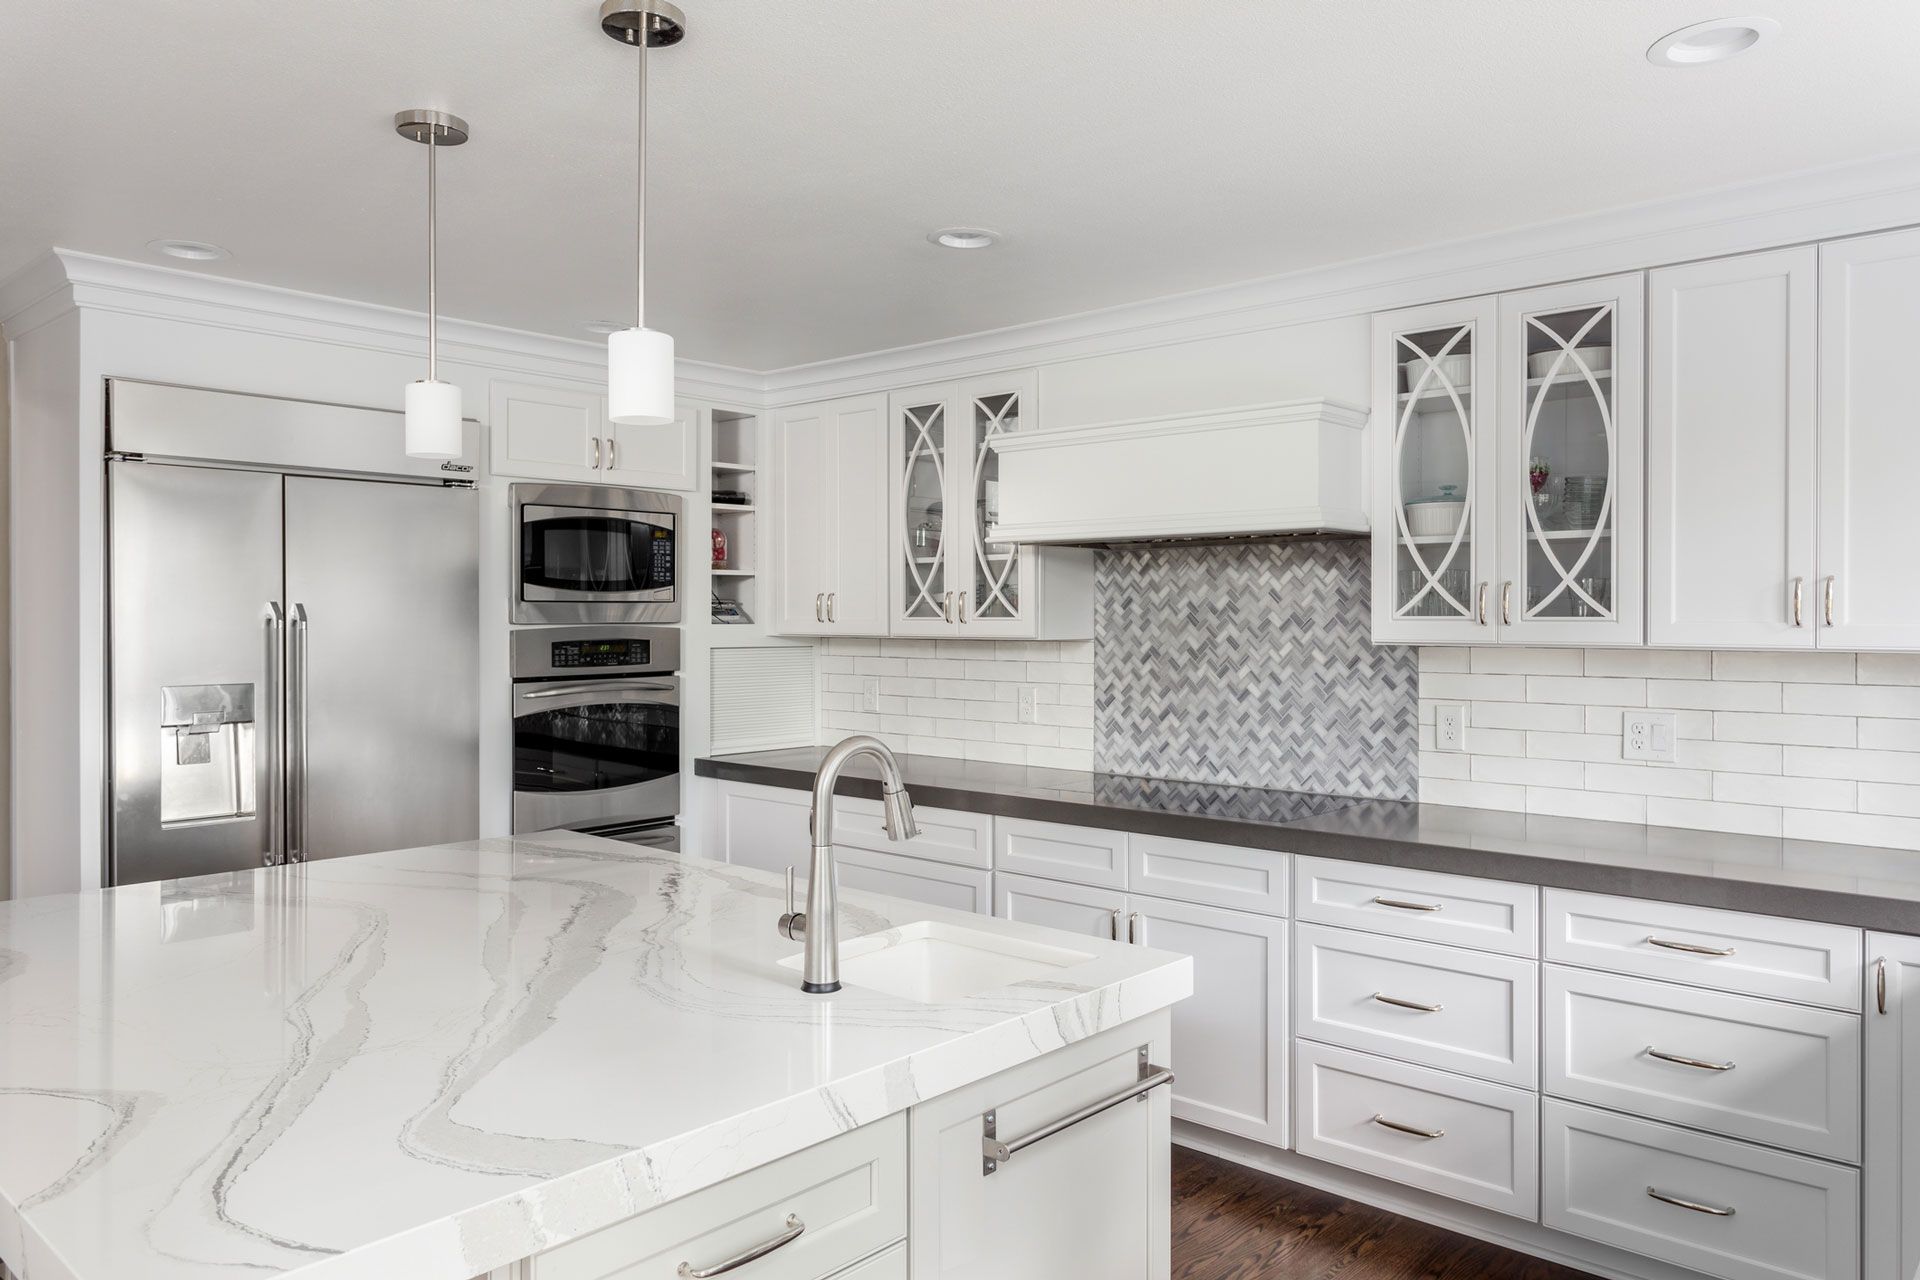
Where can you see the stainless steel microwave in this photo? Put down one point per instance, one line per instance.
(595, 554)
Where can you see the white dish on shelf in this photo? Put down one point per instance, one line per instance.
(1455, 371)
(1597, 359)
(1434, 519)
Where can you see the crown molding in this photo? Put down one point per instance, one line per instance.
(1827, 203)
(64, 279)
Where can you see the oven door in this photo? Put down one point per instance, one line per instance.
(586, 563)
(594, 753)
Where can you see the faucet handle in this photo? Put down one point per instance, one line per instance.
(790, 902)
(793, 924)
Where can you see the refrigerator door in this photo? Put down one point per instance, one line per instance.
(195, 586)
(383, 606)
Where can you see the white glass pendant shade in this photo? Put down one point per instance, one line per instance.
(640, 378)
(434, 429)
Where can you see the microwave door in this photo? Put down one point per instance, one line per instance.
(568, 554)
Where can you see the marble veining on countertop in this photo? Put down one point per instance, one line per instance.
(434, 1062)
(1859, 885)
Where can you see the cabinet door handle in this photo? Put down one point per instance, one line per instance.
(1415, 1005)
(1799, 602)
(1113, 925)
(820, 607)
(1506, 604)
(595, 451)
(794, 1230)
(833, 599)
(1684, 1061)
(1400, 904)
(613, 454)
(960, 601)
(1694, 1205)
(1410, 1130)
(1691, 948)
(946, 607)
(995, 1151)
(1133, 927)
(1832, 583)
(1880, 983)
(1481, 609)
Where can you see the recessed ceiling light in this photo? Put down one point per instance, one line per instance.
(965, 238)
(191, 250)
(1714, 41)
(607, 326)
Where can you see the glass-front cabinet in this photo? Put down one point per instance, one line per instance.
(1509, 470)
(949, 578)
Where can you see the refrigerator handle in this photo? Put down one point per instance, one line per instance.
(275, 852)
(297, 741)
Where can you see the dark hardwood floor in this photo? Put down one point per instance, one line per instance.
(1234, 1223)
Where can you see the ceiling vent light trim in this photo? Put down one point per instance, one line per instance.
(434, 429)
(964, 238)
(1707, 42)
(191, 250)
(640, 360)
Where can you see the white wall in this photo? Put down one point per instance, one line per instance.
(1811, 746)
(6, 665)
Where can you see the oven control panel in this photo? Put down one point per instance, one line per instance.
(567, 654)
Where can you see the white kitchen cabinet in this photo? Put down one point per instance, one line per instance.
(828, 492)
(947, 578)
(1054, 904)
(543, 432)
(1509, 507)
(1868, 593)
(1090, 1200)
(1891, 1179)
(1732, 355)
(1231, 1034)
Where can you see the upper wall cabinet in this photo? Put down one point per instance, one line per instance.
(828, 489)
(1730, 452)
(562, 433)
(948, 579)
(1508, 469)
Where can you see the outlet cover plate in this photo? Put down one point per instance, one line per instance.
(1028, 704)
(1651, 736)
(1450, 727)
(870, 693)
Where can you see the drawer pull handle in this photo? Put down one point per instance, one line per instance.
(1408, 1129)
(1880, 983)
(793, 1232)
(1684, 1061)
(1691, 948)
(1694, 1205)
(995, 1151)
(1415, 1005)
(1399, 904)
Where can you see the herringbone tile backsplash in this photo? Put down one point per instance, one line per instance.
(1252, 665)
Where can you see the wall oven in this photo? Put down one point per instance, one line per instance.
(595, 554)
(596, 731)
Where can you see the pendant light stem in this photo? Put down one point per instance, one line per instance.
(433, 257)
(640, 202)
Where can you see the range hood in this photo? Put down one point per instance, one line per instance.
(1263, 471)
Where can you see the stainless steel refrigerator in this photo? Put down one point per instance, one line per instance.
(293, 656)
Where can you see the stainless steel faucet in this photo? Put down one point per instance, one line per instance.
(819, 925)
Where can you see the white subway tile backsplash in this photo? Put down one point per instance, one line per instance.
(1820, 746)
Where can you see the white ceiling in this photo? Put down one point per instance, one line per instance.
(803, 150)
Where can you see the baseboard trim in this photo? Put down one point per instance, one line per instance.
(1469, 1220)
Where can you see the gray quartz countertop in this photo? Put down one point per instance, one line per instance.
(1870, 888)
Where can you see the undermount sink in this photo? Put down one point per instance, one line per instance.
(933, 962)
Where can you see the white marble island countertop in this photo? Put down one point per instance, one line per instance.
(431, 1063)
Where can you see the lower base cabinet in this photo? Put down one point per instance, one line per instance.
(1720, 1207)
(1892, 1173)
(820, 1210)
(1090, 1200)
(1456, 1137)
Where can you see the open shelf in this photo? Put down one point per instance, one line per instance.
(732, 573)
(731, 508)
(736, 468)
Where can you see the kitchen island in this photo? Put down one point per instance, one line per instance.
(440, 1062)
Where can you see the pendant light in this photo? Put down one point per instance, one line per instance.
(640, 360)
(434, 429)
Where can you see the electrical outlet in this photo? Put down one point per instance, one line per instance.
(1649, 735)
(1028, 705)
(870, 694)
(1450, 727)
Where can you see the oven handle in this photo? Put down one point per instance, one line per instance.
(590, 688)
(654, 694)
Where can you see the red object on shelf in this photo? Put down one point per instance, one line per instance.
(719, 549)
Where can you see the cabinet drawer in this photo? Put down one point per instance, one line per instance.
(934, 883)
(1055, 904)
(1213, 875)
(891, 1265)
(1781, 1217)
(1084, 855)
(1776, 1073)
(946, 835)
(1725, 950)
(1438, 1006)
(1489, 915)
(848, 1192)
(1471, 1141)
